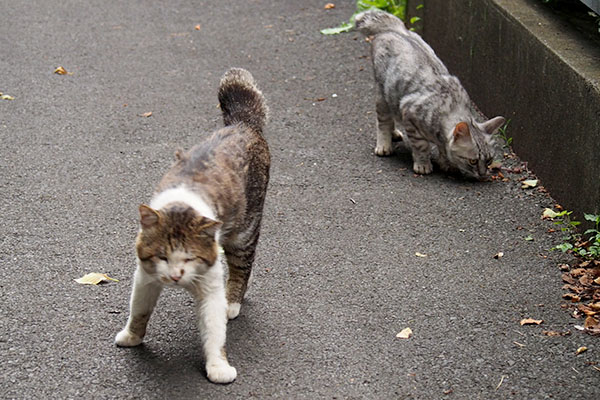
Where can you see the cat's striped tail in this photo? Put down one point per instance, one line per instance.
(241, 101)
(373, 22)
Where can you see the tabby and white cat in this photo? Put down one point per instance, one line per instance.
(211, 198)
(417, 96)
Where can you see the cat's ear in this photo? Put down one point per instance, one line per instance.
(148, 216)
(207, 226)
(492, 126)
(461, 131)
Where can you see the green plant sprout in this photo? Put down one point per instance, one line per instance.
(503, 135)
(395, 7)
(572, 241)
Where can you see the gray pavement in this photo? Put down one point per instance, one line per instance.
(336, 277)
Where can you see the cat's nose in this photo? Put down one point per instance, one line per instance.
(176, 277)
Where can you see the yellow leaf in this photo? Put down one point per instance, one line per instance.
(531, 321)
(404, 333)
(94, 278)
(581, 350)
(60, 71)
(329, 6)
(549, 213)
(420, 254)
(146, 114)
(528, 184)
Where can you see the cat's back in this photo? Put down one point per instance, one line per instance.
(408, 54)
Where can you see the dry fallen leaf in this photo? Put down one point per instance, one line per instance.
(592, 325)
(329, 6)
(529, 183)
(531, 321)
(60, 71)
(197, 27)
(555, 333)
(581, 350)
(146, 114)
(498, 255)
(94, 278)
(6, 97)
(420, 254)
(549, 213)
(405, 333)
(570, 296)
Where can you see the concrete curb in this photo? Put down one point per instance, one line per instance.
(516, 59)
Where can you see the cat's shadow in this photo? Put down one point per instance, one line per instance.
(170, 364)
(401, 159)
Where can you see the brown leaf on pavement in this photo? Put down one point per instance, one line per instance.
(591, 326)
(531, 321)
(555, 333)
(329, 6)
(146, 114)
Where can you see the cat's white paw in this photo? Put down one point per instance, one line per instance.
(127, 339)
(383, 151)
(233, 310)
(220, 372)
(424, 168)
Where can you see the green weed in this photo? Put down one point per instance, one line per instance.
(576, 243)
(395, 7)
(503, 135)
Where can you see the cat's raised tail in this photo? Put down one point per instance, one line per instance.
(241, 101)
(373, 22)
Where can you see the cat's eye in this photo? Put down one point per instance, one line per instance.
(162, 258)
(473, 161)
(189, 259)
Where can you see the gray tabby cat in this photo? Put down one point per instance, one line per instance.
(211, 198)
(417, 95)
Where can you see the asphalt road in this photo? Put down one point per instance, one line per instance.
(336, 277)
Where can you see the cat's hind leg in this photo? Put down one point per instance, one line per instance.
(240, 269)
(385, 128)
(143, 300)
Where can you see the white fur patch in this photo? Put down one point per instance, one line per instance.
(183, 195)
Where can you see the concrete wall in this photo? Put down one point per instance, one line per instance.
(517, 60)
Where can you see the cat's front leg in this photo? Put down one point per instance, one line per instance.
(385, 129)
(144, 295)
(421, 152)
(443, 162)
(212, 320)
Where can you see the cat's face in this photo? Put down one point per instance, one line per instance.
(471, 148)
(175, 245)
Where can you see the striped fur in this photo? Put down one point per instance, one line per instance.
(417, 96)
